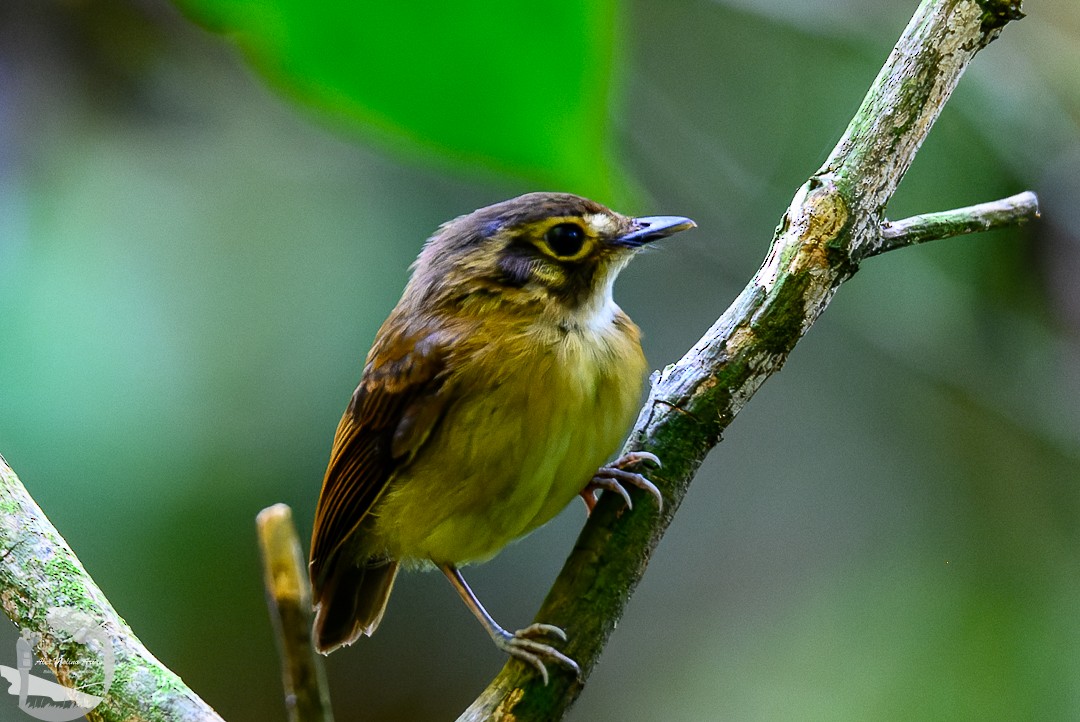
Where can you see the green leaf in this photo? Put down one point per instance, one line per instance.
(519, 88)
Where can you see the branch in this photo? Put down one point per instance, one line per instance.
(288, 594)
(1011, 211)
(833, 222)
(43, 587)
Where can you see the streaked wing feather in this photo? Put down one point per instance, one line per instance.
(399, 400)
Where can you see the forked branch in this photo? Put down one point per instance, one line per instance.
(834, 222)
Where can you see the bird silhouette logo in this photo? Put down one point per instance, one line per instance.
(44, 699)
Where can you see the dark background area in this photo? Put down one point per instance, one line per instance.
(192, 267)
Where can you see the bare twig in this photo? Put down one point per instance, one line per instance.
(833, 223)
(43, 588)
(1011, 211)
(288, 594)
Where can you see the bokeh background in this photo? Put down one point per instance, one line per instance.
(206, 211)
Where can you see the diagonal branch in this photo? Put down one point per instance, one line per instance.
(833, 223)
(39, 576)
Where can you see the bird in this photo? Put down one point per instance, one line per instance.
(492, 395)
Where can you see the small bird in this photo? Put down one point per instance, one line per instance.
(502, 380)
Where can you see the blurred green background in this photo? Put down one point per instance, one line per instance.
(204, 217)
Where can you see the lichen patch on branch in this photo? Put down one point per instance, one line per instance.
(818, 223)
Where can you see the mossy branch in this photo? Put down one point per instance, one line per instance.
(39, 574)
(835, 220)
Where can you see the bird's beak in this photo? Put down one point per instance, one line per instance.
(651, 228)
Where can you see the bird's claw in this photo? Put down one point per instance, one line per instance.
(616, 478)
(523, 645)
(636, 457)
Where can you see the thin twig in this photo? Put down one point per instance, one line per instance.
(1007, 212)
(44, 588)
(288, 594)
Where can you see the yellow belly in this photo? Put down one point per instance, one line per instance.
(513, 449)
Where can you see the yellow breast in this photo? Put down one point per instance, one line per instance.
(537, 409)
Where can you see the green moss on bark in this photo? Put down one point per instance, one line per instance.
(998, 13)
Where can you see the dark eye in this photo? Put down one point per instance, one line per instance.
(565, 240)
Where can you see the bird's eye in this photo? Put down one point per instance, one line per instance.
(565, 240)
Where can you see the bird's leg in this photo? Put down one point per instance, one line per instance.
(523, 643)
(616, 478)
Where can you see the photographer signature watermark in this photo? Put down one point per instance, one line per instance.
(44, 699)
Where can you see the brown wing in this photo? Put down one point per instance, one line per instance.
(398, 402)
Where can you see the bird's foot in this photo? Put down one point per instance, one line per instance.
(616, 478)
(524, 645)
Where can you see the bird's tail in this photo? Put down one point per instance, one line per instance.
(350, 600)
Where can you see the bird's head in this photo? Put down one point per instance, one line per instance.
(555, 253)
